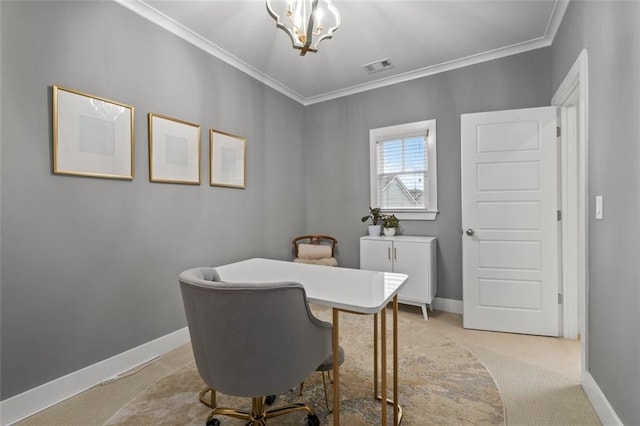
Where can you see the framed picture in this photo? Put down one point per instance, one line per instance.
(174, 150)
(228, 159)
(92, 136)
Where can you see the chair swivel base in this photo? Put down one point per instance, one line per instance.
(211, 402)
(259, 415)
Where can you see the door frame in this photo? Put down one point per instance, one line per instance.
(575, 165)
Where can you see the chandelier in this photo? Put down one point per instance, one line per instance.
(307, 22)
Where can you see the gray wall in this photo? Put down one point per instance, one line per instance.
(337, 149)
(610, 31)
(89, 266)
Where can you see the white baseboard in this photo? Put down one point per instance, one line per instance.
(30, 402)
(599, 402)
(448, 305)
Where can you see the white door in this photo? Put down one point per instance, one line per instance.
(509, 219)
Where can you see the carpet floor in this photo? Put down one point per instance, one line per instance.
(538, 378)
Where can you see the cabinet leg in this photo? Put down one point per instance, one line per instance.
(424, 312)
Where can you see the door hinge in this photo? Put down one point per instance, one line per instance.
(560, 299)
(559, 215)
(558, 131)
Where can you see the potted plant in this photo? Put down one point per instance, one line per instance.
(390, 223)
(376, 217)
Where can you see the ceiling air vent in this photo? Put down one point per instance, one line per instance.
(377, 66)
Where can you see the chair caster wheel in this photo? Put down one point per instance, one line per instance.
(213, 422)
(270, 399)
(313, 420)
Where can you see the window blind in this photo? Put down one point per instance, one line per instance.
(402, 172)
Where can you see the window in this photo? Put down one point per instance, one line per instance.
(404, 170)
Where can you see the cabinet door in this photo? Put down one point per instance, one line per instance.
(375, 255)
(412, 258)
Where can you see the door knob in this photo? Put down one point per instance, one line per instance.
(470, 232)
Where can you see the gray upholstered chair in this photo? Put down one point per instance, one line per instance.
(252, 340)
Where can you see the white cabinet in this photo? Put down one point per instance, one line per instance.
(414, 256)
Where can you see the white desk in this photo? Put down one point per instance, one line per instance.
(355, 290)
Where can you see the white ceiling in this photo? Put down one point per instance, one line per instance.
(420, 37)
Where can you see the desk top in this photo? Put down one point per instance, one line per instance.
(344, 288)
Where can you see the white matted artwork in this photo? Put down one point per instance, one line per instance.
(92, 136)
(174, 150)
(227, 159)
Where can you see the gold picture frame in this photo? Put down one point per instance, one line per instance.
(174, 150)
(227, 159)
(92, 136)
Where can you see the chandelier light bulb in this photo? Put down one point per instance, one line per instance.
(306, 22)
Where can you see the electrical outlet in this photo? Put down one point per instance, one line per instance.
(599, 207)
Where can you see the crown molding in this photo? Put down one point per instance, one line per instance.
(555, 19)
(559, 9)
(148, 12)
(431, 70)
(154, 15)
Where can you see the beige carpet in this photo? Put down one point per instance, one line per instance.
(539, 379)
(440, 383)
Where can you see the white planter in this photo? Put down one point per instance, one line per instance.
(374, 230)
(389, 232)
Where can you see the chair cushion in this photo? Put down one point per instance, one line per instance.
(326, 261)
(313, 251)
(327, 364)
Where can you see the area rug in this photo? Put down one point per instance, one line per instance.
(440, 383)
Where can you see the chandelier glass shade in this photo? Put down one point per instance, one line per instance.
(307, 22)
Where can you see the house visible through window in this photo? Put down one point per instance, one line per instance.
(403, 170)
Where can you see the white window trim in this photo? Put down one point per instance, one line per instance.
(400, 131)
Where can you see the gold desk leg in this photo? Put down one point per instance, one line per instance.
(336, 370)
(375, 355)
(397, 409)
(396, 420)
(383, 366)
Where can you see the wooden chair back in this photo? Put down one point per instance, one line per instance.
(315, 239)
